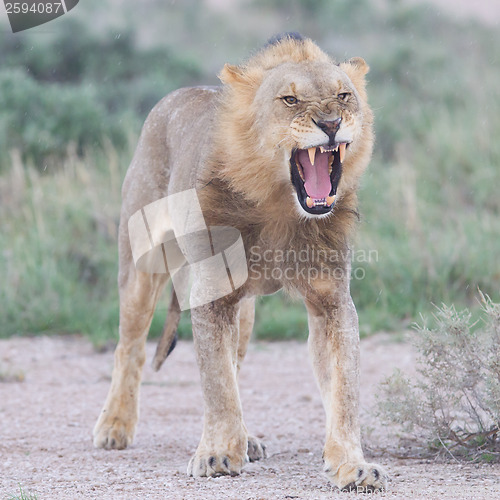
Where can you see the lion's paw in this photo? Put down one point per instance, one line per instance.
(113, 434)
(211, 464)
(361, 477)
(256, 449)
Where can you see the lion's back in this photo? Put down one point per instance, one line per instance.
(174, 141)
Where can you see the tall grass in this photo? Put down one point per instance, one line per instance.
(58, 244)
(429, 202)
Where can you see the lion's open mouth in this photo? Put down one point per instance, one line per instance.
(315, 175)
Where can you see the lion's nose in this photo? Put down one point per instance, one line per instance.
(329, 127)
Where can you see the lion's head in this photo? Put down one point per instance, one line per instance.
(296, 120)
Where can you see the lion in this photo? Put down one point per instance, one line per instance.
(276, 152)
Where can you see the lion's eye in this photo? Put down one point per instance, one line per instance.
(290, 100)
(344, 96)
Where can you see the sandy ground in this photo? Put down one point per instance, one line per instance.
(46, 422)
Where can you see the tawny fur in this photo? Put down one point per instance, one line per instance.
(233, 144)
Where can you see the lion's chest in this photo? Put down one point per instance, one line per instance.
(270, 269)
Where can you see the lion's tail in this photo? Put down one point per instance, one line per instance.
(168, 338)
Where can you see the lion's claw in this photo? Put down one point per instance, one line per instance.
(113, 434)
(256, 449)
(213, 465)
(362, 477)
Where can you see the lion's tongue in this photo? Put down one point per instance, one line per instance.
(317, 179)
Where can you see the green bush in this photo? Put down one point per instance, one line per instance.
(453, 405)
(79, 88)
(43, 120)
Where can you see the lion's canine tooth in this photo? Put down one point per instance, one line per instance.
(330, 168)
(309, 202)
(330, 200)
(312, 155)
(342, 152)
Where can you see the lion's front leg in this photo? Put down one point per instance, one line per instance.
(223, 446)
(334, 348)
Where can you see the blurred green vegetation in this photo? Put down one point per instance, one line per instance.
(80, 87)
(72, 102)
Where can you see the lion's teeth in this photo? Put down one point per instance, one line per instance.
(322, 149)
(312, 155)
(299, 170)
(330, 168)
(320, 202)
(342, 152)
(330, 200)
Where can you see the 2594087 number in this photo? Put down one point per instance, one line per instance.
(35, 8)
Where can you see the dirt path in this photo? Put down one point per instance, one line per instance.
(46, 423)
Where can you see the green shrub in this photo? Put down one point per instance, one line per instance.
(43, 120)
(80, 89)
(454, 403)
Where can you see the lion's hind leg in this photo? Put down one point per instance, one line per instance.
(139, 293)
(256, 448)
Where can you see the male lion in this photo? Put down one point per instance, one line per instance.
(277, 153)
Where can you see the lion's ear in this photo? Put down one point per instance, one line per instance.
(356, 69)
(231, 74)
(359, 64)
